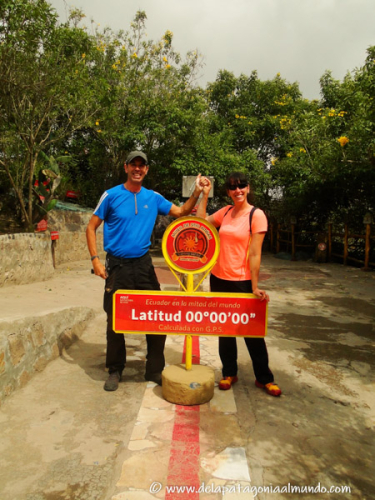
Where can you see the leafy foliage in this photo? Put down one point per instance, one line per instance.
(326, 171)
(79, 100)
(44, 91)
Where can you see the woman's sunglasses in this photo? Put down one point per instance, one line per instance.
(233, 187)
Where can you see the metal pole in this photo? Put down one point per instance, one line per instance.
(53, 246)
(189, 340)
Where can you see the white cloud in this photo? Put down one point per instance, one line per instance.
(298, 38)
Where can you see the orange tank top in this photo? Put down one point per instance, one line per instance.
(233, 262)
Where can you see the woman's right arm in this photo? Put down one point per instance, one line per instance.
(202, 207)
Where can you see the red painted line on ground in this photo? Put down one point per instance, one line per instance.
(183, 467)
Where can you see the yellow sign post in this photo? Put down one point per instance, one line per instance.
(190, 246)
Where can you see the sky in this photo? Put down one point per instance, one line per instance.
(300, 39)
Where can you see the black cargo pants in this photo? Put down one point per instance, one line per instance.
(131, 274)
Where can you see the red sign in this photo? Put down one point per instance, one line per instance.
(190, 244)
(179, 313)
(74, 195)
(54, 235)
(41, 226)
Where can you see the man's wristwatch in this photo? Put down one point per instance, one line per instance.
(95, 257)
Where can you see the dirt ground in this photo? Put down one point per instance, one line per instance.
(322, 344)
(63, 437)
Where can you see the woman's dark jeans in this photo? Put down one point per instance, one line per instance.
(228, 345)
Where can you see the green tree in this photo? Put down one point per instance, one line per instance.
(326, 169)
(147, 100)
(44, 90)
(249, 117)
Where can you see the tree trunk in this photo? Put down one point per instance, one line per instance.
(32, 163)
(18, 192)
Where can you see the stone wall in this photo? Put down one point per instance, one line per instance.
(27, 257)
(28, 345)
(71, 245)
(24, 258)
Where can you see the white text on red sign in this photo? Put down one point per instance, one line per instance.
(198, 314)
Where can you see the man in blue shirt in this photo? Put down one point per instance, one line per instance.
(129, 213)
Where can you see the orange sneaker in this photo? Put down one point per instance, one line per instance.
(227, 382)
(271, 388)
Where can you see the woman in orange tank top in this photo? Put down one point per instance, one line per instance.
(237, 271)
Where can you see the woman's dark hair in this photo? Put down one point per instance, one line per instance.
(238, 178)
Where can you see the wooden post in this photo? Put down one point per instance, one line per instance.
(293, 222)
(346, 245)
(329, 241)
(293, 243)
(271, 236)
(278, 238)
(368, 219)
(367, 248)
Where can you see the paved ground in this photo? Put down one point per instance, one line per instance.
(63, 437)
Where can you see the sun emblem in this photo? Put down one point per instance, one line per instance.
(191, 243)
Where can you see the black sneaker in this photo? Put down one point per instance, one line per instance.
(112, 381)
(155, 377)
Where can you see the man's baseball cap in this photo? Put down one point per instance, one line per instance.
(136, 154)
